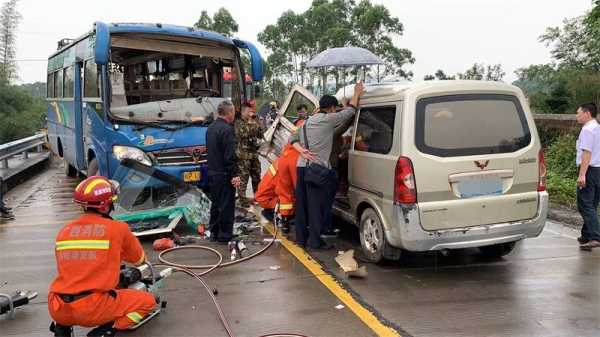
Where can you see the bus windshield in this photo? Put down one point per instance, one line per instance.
(165, 81)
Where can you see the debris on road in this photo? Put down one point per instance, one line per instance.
(349, 265)
(275, 267)
(162, 244)
(339, 307)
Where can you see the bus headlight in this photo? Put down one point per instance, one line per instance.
(126, 152)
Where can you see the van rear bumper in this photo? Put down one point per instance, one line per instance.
(406, 232)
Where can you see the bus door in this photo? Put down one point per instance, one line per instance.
(79, 162)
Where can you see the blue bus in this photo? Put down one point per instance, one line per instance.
(144, 92)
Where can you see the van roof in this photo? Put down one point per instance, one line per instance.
(398, 90)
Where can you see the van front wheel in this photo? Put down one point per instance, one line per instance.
(372, 238)
(498, 250)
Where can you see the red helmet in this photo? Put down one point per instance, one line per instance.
(95, 192)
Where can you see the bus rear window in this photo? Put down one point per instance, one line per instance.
(464, 125)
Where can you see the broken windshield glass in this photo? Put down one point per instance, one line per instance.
(154, 202)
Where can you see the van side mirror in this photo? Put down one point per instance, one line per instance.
(256, 91)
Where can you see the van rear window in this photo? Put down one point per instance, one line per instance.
(474, 124)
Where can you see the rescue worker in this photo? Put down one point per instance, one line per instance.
(286, 185)
(301, 111)
(266, 196)
(277, 187)
(222, 173)
(248, 133)
(89, 252)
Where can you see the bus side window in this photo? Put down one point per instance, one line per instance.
(58, 84)
(68, 87)
(91, 87)
(50, 86)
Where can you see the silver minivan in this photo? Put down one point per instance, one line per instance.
(437, 165)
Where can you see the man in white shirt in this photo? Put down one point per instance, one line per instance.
(588, 182)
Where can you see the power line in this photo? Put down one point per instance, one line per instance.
(31, 60)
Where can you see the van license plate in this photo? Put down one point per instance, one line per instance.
(480, 187)
(191, 176)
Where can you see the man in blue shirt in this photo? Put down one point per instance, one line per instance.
(588, 182)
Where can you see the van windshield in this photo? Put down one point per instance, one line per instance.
(463, 125)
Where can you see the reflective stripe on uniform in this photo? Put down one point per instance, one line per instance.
(273, 170)
(82, 244)
(141, 260)
(285, 207)
(134, 317)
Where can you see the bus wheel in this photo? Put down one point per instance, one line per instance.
(92, 168)
(70, 171)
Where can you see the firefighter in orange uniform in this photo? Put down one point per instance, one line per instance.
(266, 196)
(278, 185)
(286, 184)
(89, 252)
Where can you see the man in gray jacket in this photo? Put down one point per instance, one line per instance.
(312, 201)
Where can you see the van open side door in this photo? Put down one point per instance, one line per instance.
(278, 134)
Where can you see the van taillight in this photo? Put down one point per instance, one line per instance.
(542, 172)
(405, 188)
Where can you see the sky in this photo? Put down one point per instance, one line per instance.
(442, 34)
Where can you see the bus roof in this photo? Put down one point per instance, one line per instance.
(155, 28)
(158, 28)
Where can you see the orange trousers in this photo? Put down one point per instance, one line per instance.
(126, 309)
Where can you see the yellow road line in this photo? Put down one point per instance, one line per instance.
(328, 281)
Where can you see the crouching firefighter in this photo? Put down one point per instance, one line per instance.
(277, 186)
(89, 252)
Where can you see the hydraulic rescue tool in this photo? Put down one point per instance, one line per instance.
(8, 303)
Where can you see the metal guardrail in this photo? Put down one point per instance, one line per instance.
(21, 146)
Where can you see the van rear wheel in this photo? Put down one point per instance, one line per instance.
(374, 244)
(498, 250)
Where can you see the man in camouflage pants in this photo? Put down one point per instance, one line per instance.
(249, 133)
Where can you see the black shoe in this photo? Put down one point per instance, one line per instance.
(105, 330)
(332, 233)
(268, 214)
(6, 215)
(323, 246)
(61, 330)
(582, 240)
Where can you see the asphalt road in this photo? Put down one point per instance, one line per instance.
(546, 287)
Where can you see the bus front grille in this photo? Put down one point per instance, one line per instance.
(180, 157)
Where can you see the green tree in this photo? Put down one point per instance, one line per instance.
(476, 72)
(221, 22)
(21, 114)
(204, 22)
(481, 72)
(568, 43)
(439, 75)
(9, 21)
(374, 28)
(297, 37)
(224, 23)
(36, 89)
